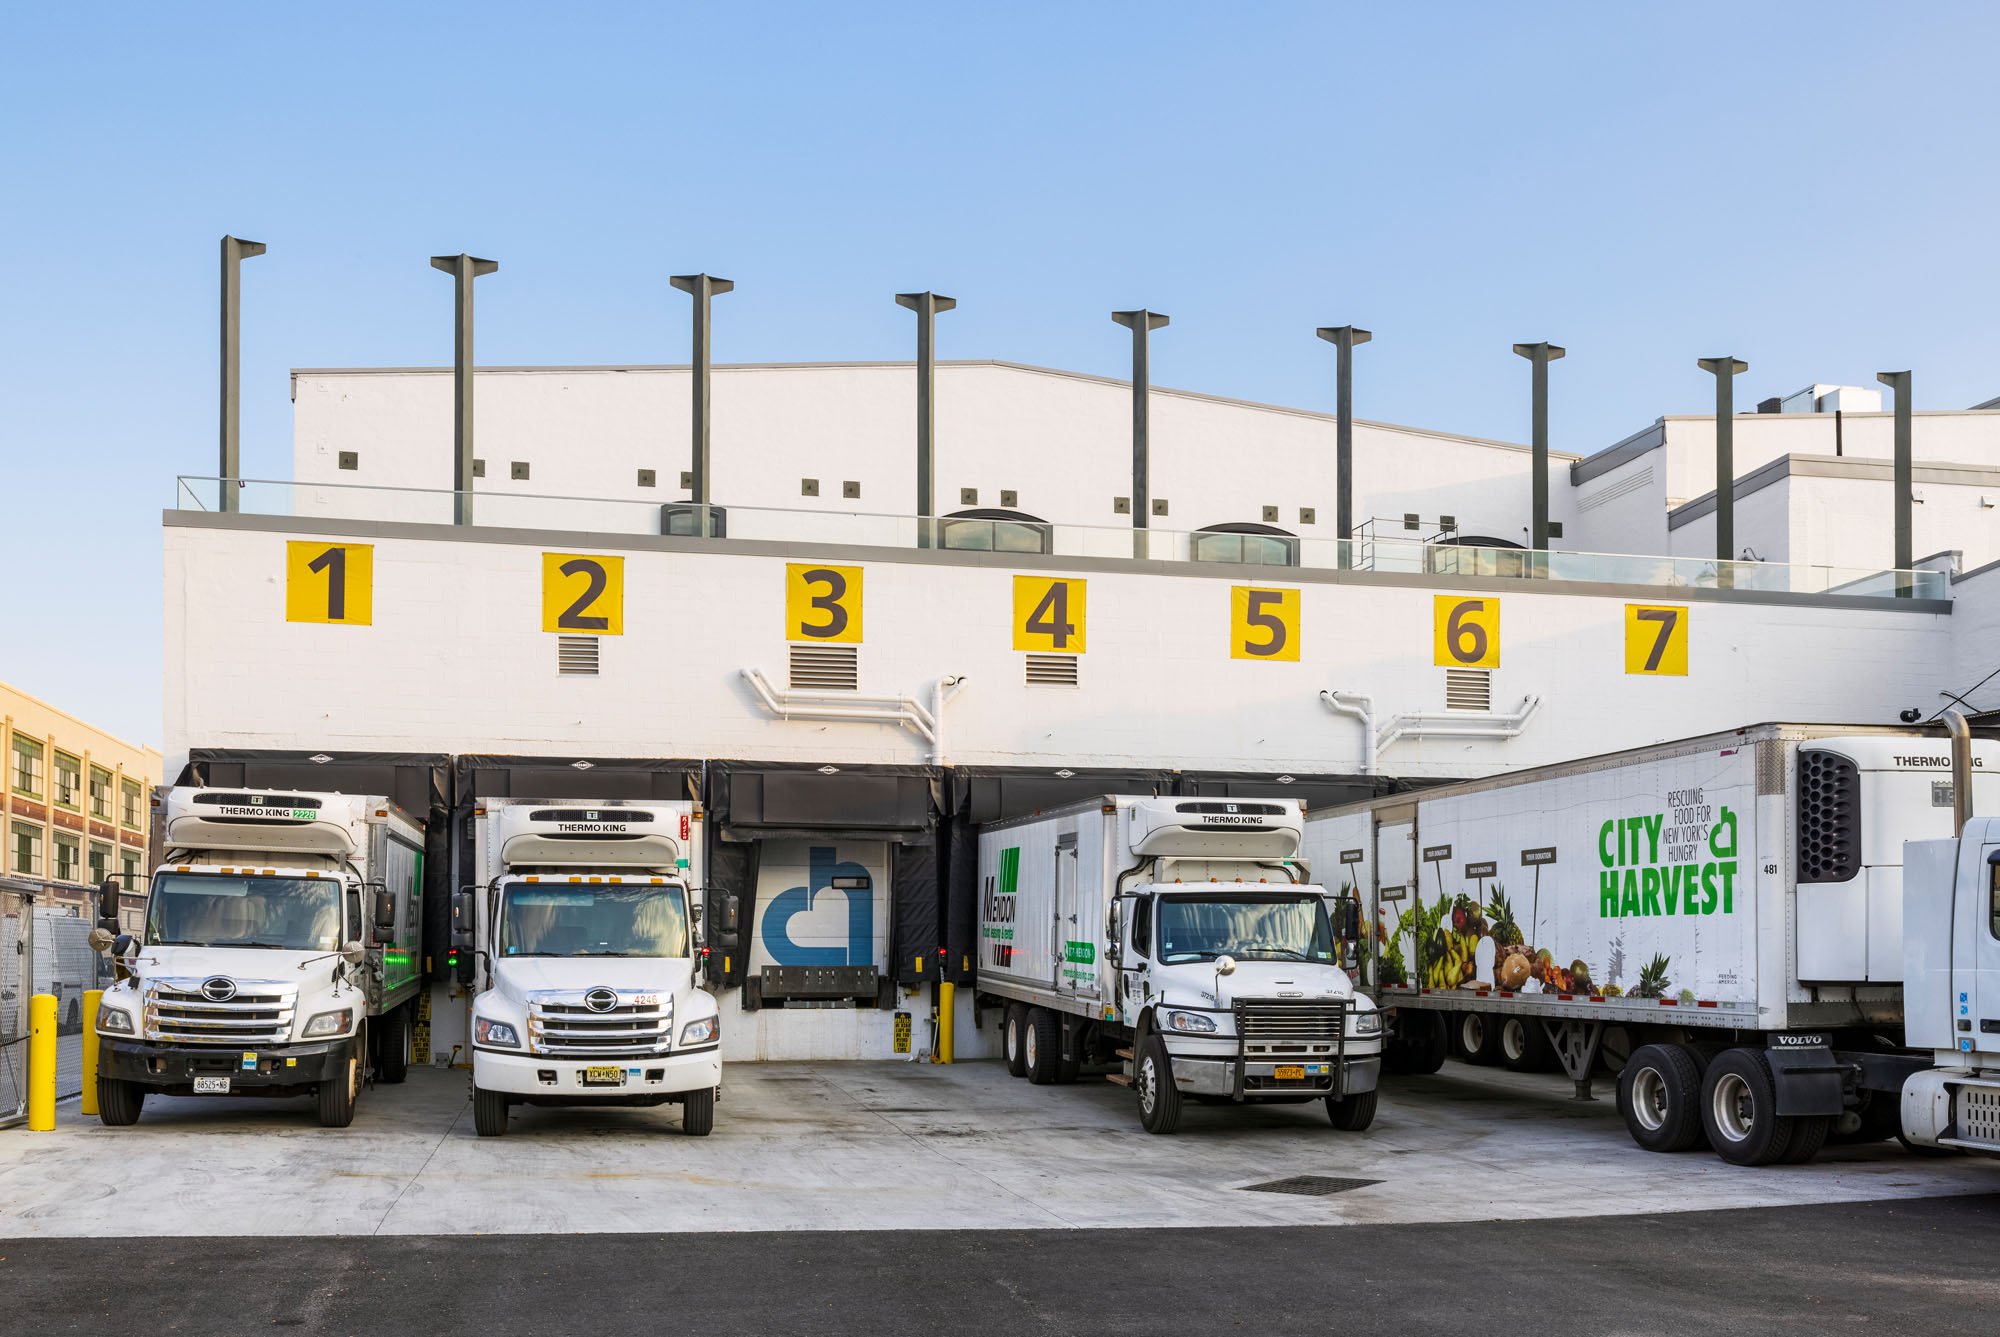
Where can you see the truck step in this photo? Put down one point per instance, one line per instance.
(1124, 1053)
(1117, 1079)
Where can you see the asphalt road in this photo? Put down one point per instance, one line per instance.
(1920, 1266)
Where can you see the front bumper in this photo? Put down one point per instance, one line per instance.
(1259, 1080)
(171, 1069)
(561, 1080)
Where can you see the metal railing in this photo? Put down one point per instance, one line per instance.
(1377, 551)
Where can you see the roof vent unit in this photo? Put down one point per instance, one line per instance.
(1831, 399)
(1217, 828)
(612, 835)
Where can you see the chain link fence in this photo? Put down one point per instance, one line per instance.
(65, 967)
(14, 928)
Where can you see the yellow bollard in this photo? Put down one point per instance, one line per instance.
(42, 1063)
(90, 1000)
(945, 988)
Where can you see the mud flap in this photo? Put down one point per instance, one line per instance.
(1807, 1076)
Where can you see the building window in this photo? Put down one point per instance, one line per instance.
(130, 793)
(995, 531)
(69, 780)
(27, 767)
(100, 862)
(27, 849)
(69, 859)
(128, 866)
(1245, 544)
(100, 793)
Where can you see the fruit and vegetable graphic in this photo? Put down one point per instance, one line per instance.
(1447, 936)
(1652, 979)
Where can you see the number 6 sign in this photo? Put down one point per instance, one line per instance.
(1465, 632)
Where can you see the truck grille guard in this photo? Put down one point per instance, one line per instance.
(561, 1024)
(247, 1012)
(1283, 1031)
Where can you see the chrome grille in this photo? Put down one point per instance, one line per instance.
(561, 1026)
(1272, 1028)
(260, 1013)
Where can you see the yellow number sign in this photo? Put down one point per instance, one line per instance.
(1263, 624)
(1048, 614)
(822, 603)
(330, 582)
(582, 594)
(1656, 639)
(1465, 632)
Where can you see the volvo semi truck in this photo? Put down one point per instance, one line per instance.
(1181, 940)
(1717, 920)
(282, 953)
(585, 934)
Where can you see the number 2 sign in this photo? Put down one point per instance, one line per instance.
(583, 595)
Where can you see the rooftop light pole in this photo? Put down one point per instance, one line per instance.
(1142, 323)
(1344, 338)
(234, 252)
(463, 269)
(1725, 370)
(926, 305)
(1540, 355)
(1899, 381)
(703, 288)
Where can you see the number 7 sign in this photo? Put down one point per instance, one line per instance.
(1656, 639)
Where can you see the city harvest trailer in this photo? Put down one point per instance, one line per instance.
(1718, 920)
(282, 953)
(582, 939)
(1181, 940)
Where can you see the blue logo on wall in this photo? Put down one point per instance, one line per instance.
(821, 869)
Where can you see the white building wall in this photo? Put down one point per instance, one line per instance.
(1975, 626)
(1764, 525)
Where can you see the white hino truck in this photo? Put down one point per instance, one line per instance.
(1183, 940)
(586, 928)
(1719, 920)
(282, 953)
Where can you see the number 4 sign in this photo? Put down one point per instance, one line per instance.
(1048, 614)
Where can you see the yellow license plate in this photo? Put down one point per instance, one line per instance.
(604, 1076)
(1290, 1074)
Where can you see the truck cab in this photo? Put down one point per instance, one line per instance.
(1951, 947)
(587, 942)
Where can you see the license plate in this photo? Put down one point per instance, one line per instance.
(1289, 1073)
(211, 1086)
(604, 1076)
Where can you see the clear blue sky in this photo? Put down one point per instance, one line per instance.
(1809, 187)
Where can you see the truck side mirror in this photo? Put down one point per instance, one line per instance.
(1350, 919)
(385, 911)
(464, 907)
(107, 904)
(726, 912)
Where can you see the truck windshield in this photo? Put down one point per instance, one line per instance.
(1252, 928)
(540, 920)
(217, 910)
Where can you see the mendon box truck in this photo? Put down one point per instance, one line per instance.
(1181, 939)
(585, 934)
(1720, 920)
(281, 955)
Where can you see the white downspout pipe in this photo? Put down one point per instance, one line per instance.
(1457, 724)
(1360, 706)
(851, 707)
(942, 691)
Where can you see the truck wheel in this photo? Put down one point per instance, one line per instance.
(1477, 1037)
(1808, 1136)
(1014, 1040)
(1739, 1109)
(392, 1061)
(698, 1112)
(1424, 1041)
(1659, 1095)
(1352, 1114)
(1159, 1098)
(489, 1112)
(1524, 1045)
(1041, 1047)
(119, 1102)
(336, 1097)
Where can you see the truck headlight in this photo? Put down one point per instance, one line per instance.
(1367, 1023)
(1190, 1021)
(495, 1033)
(112, 1021)
(701, 1031)
(330, 1023)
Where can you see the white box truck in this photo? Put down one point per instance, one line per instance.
(586, 933)
(1181, 938)
(282, 953)
(1719, 919)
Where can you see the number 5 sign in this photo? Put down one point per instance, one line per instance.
(1465, 633)
(1263, 624)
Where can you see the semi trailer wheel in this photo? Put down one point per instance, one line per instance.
(1351, 1114)
(489, 1112)
(1739, 1109)
(698, 1112)
(1808, 1136)
(119, 1102)
(1659, 1095)
(1524, 1045)
(1014, 1040)
(1159, 1098)
(392, 1062)
(337, 1096)
(1476, 1038)
(1423, 1041)
(1041, 1055)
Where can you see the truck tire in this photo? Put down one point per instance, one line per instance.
(1153, 1079)
(1476, 1038)
(119, 1102)
(336, 1098)
(1524, 1045)
(1423, 1041)
(1014, 1039)
(698, 1112)
(392, 1048)
(1808, 1136)
(489, 1112)
(1351, 1114)
(1659, 1095)
(1739, 1109)
(1041, 1047)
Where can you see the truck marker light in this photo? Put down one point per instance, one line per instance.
(1670, 1002)
(535, 878)
(1708, 1002)
(575, 878)
(312, 874)
(291, 1063)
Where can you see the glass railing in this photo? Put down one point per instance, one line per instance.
(1415, 556)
